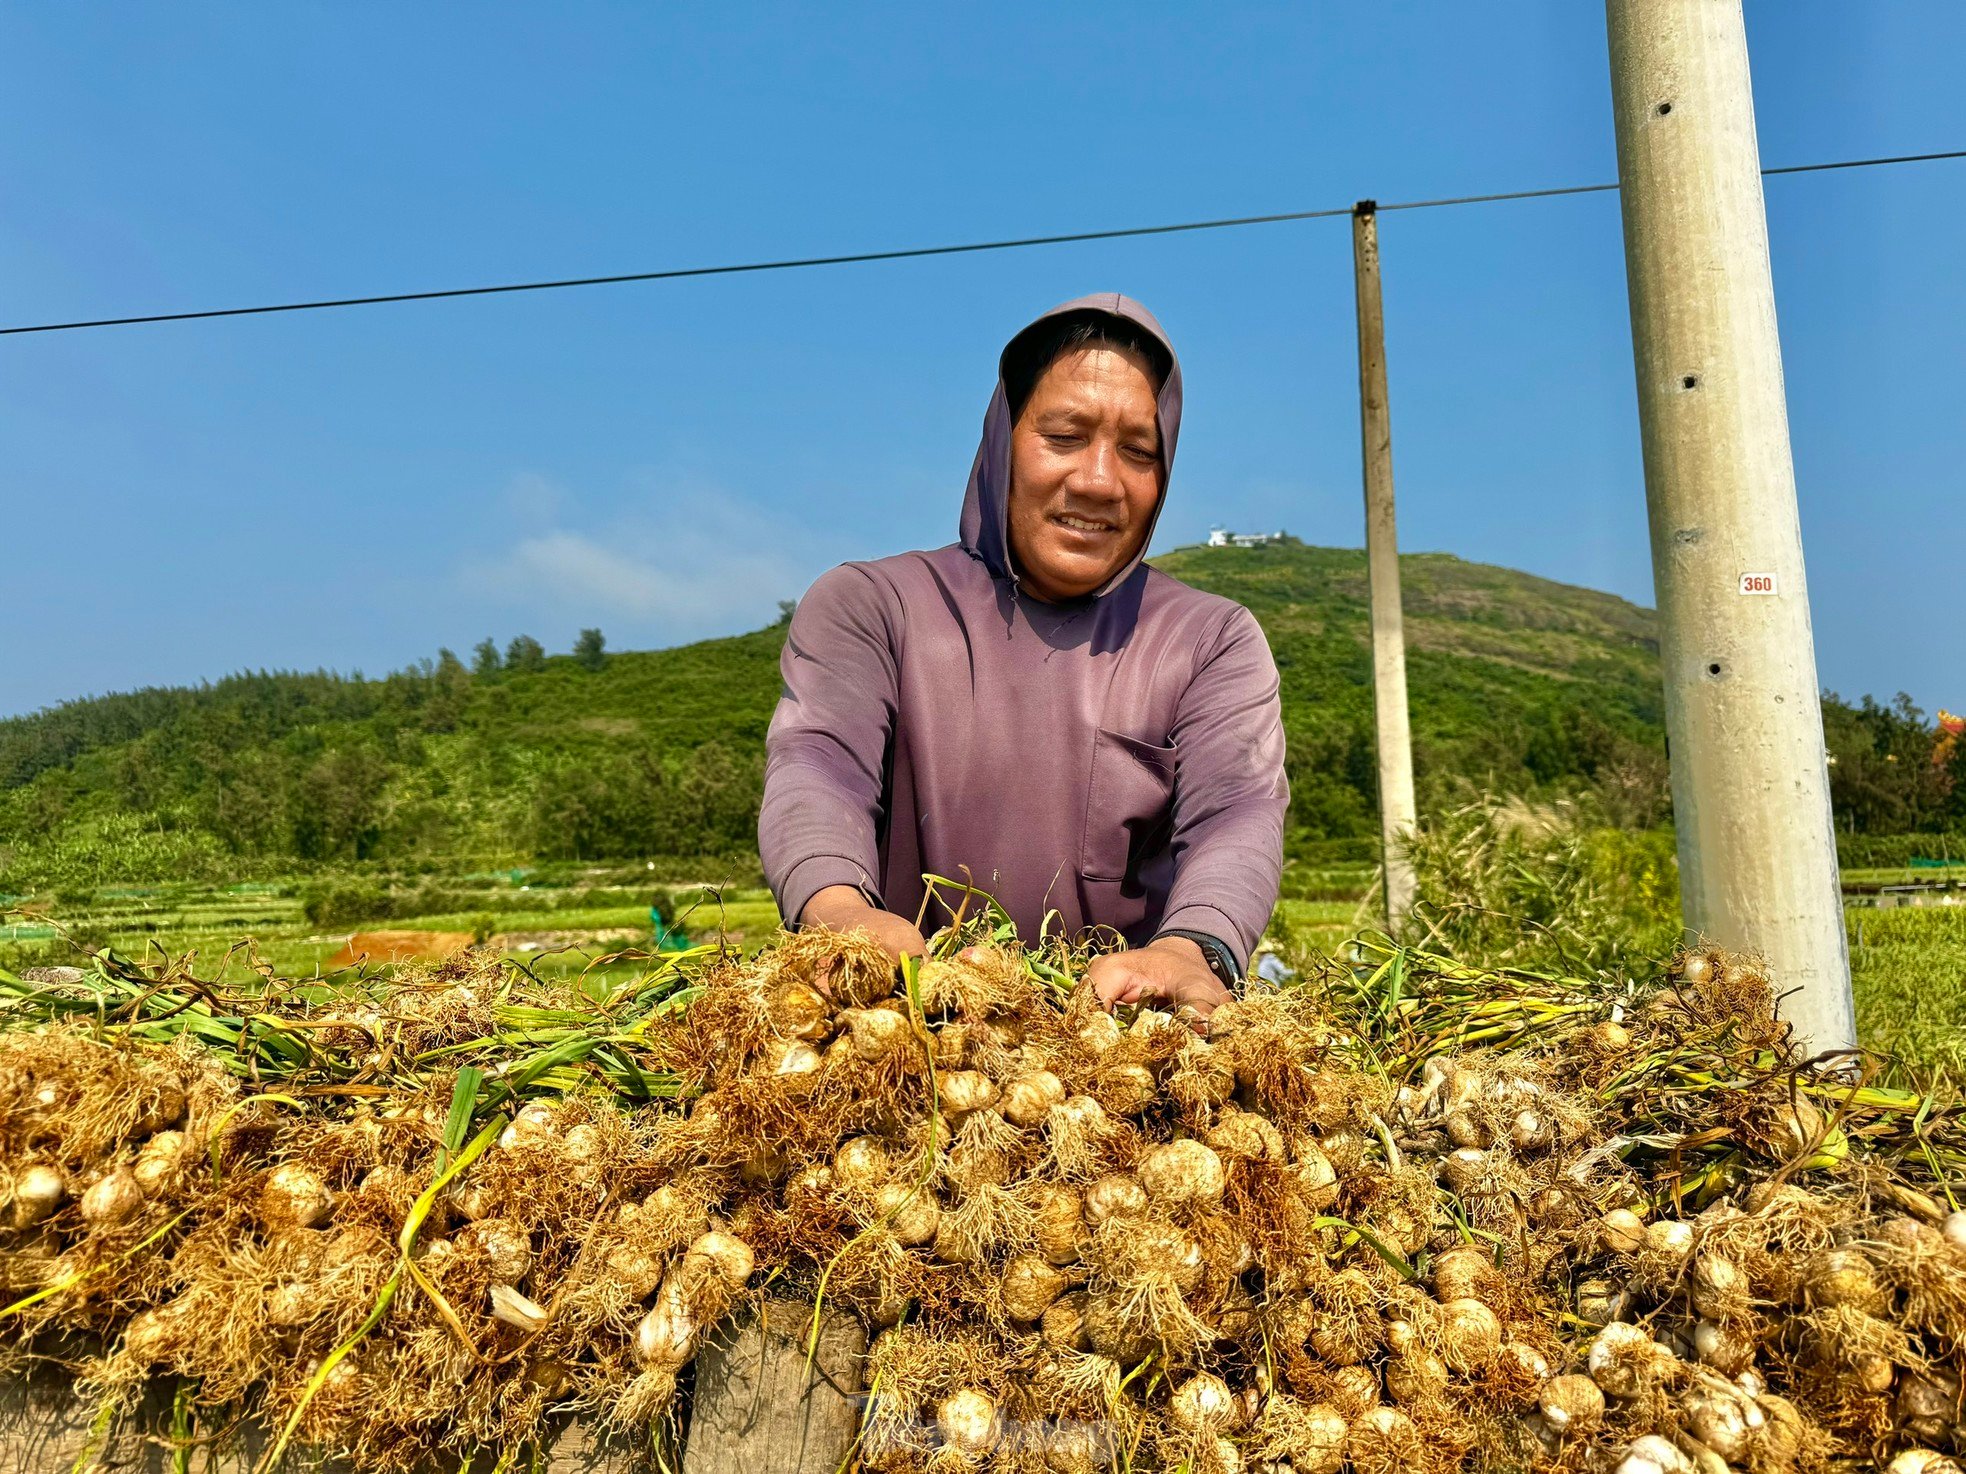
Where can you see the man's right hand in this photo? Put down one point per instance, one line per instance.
(842, 908)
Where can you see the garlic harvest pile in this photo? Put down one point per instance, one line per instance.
(1478, 1223)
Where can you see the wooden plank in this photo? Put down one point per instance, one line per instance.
(45, 1428)
(758, 1407)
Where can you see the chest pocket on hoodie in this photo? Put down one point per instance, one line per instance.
(1129, 813)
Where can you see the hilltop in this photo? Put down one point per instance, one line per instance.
(1518, 684)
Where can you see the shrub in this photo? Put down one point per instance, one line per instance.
(1882, 851)
(525, 654)
(1545, 888)
(345, 902)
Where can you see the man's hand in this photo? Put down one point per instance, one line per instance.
(842, 908)
(1167, 973)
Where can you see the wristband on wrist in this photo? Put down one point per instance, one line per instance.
(1221, 961)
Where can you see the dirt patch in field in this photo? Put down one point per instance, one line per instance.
(399, 946)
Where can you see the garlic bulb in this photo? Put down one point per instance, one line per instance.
(800, 1011)
(1601, 1302)
(1717, 1415)
(1099, 1032)
(1621, 1231)
(1954, 1230)
(963, 1091)
(1842, 1277)
(1921, 1461)
(862, 1164)
(634, 1271)
(876, 1032)
(535, 1123)
(1669, 1237)
(294, 1197)
(1416, 1378)
(1063, 1322)
(1531, 1131)
(1117, 1196)
(1722, 1347)
(1132, 1088)
(1654, 1455)
(1470, 1336)
(790, 1057)
(1384, 1440)
(910, 1212)
(38, 1190)
(1526, 1364)
(1465, 1129)
(163, 1108)
(1061, 1226)
(1182, 1171)
(507, 1248)
(1202, 1404)
(1246, 1134)
(1716, 1286)
(158, 1160)
(666, 1338)
(112, 1200)
(1928, 1405)
(1029, 1285)
(1465, 1171)
(728, 1255)
(967, 1421)
(1624, 1360)
(1464, 1272)
(1571, 1404)
(1028, 1099)
(1317, 1179)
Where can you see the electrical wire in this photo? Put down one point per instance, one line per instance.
(911, 253)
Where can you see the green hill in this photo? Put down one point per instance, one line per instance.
(1517, 685)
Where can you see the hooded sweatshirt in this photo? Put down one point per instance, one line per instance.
(1116, 759)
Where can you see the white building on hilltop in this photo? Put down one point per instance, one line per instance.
(1221, 537)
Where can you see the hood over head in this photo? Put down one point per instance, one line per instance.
(985, 529)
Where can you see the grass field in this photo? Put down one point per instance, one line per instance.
(550, 925)
(1909, 964)
(1906, 875)
(1909, 968)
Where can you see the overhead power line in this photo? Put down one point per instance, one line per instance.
(906, 254)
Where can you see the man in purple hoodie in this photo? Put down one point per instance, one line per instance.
(1032, 707)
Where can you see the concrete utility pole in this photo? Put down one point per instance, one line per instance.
(1396, 809)
(1750, 781)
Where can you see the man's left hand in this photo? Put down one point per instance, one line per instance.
(1167, 974)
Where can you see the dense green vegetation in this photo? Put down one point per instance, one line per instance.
(1890, 777)
(1519, 686)
(1909, 969)
(1516, 684)
(653, 751)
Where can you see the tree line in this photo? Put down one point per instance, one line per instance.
(504, 757)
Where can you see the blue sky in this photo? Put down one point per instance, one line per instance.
(354, 489)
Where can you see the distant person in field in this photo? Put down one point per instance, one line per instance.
(1033, 705)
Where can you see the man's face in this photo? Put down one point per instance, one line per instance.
(1084, 472)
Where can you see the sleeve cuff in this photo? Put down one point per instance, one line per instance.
(1217, 924)
(811, 876)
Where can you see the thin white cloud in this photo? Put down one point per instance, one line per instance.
(716, 566)
(647, 577)
(531, 500)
